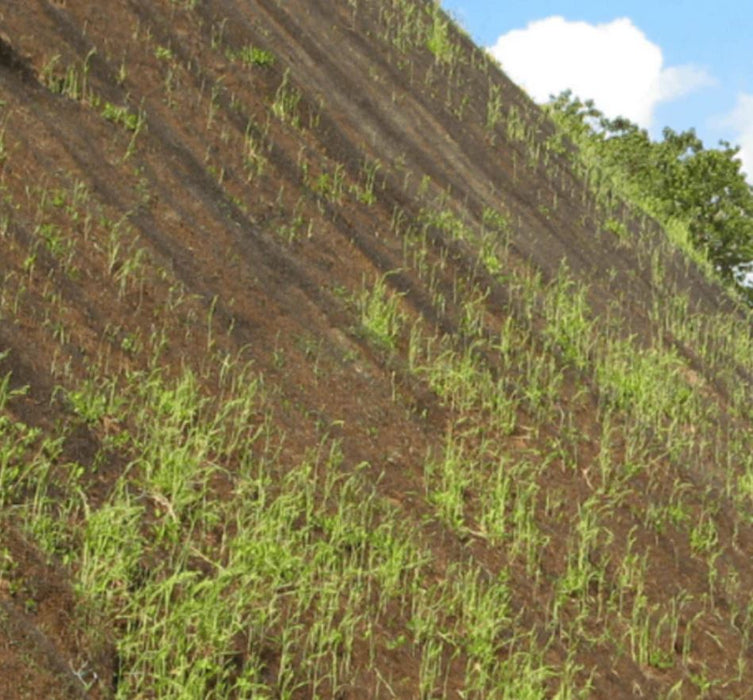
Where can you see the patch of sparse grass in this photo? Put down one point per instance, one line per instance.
(380, 314)
(493, 108)
(438, 41)
(121, 116)
(251, 56)
(71, 81)
(287, 99)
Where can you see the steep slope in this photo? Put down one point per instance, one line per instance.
(331, 369)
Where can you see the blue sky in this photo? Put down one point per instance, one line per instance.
(677, 63)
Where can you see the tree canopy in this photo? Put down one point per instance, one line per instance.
(677, 177)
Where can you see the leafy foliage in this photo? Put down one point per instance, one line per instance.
(677, 178)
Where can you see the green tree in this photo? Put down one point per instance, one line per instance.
(675, 178)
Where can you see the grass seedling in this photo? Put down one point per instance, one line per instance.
(285, 104)
(380, 315)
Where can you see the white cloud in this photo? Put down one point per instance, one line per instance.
(741, 120)
(614, 64)
(677, 81)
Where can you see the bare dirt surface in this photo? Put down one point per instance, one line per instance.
(132, 126)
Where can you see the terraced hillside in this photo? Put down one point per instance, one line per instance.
(330, 369)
